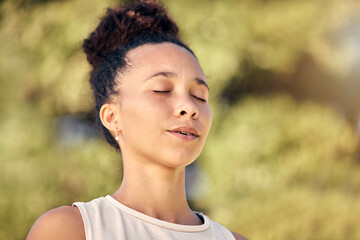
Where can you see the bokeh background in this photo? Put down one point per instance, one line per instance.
(282, 160)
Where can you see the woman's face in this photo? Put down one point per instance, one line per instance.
(163, 111)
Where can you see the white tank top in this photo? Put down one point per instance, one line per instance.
(107, 219)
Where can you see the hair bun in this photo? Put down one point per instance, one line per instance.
(121, 25)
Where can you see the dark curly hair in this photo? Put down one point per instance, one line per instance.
(120, 30)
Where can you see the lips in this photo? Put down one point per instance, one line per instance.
(185, 133)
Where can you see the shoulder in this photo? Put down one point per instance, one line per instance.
(239, 236)
(59, 223)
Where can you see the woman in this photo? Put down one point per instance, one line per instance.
(151, 99)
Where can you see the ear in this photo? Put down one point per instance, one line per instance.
(110, 117)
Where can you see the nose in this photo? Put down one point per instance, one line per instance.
(186, 108)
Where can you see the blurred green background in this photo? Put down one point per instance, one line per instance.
(282, 160)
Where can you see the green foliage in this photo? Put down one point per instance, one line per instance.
(279, 169)
(43, 74)
(270, 34)
(285, 171)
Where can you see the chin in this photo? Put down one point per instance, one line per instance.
(179, 160)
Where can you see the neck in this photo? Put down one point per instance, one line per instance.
(156, 191)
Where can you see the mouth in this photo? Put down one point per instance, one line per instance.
(185, 133)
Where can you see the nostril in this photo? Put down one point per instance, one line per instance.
(183, 112)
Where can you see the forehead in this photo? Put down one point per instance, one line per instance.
(163, 56)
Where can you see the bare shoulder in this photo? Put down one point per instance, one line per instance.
(59, 223)
(239, 236)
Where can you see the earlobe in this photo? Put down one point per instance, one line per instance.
(109, 116)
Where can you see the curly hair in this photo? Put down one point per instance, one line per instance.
(120, 30)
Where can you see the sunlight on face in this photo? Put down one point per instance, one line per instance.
(163, 109)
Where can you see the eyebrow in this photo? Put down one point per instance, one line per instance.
(199, 81)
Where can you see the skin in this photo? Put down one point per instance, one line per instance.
(164, 88)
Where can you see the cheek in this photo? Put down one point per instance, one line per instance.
(144, 112)
(205, 120)
(207, 117)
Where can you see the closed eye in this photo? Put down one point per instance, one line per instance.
(201, 99)
(161, 92)
(166, 92)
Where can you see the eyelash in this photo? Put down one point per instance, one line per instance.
(201, 99)
(166, 92)
(162, 92)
